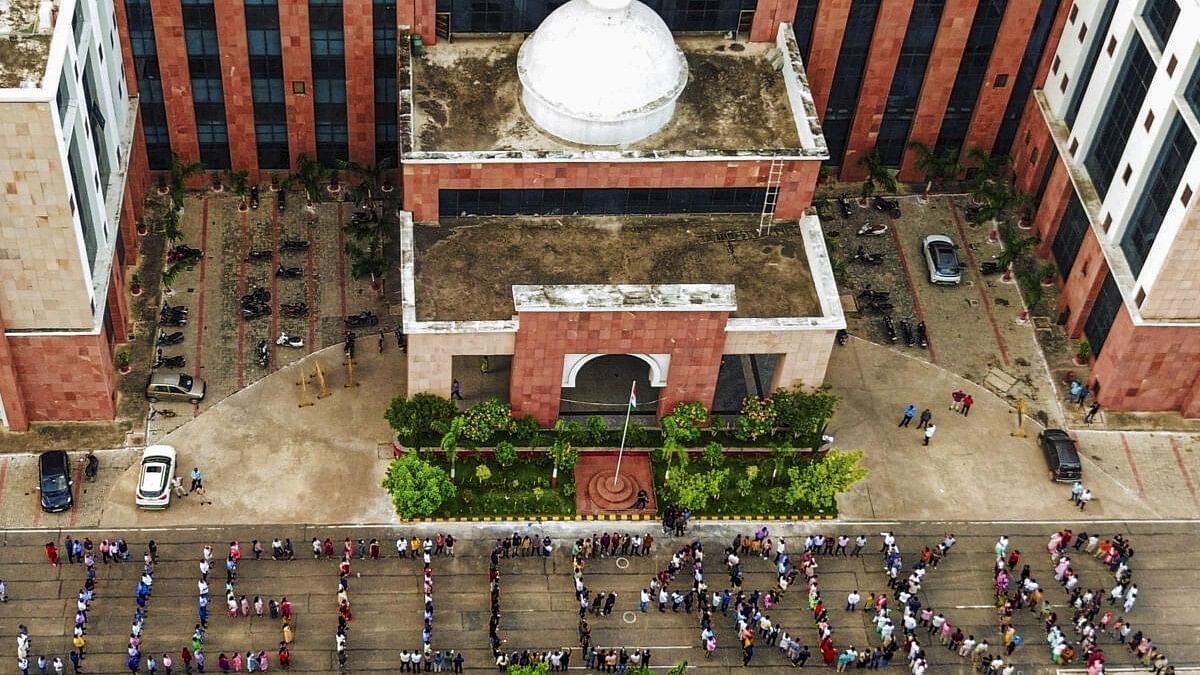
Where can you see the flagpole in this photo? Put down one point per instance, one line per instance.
(621, 452)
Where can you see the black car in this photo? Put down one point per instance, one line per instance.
(54, 481)
(1061, 455)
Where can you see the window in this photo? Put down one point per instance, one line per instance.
(385, 90)
(848, 75)
(1160, 16)
(1071, 233)
(1154, 201)
(971, 71)
(1104, 310)
(906, 83)
(1093, 55)
(1192, 93)
(1015, 108)
(140, 20)
(329, 91)
(327, 42)
(267, 90)
(806, 16)
(1129, 91)
(207, 90)
(601, 201)
(263, 42)
(201, 42)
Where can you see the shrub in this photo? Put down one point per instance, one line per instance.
(804, 414)
(506, 454)
(568, 432)
(757, 419)
(526, 430)
(684, 422)
(417, 487)
(564, 455)
(486, 419)
(692, 491)
(597, 431)
(637, 436)
(714, 455)
(816, 484)
(482, 473)
(419, 417)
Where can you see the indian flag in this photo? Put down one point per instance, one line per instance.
(633, 395)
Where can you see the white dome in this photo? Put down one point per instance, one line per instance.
(601, 72)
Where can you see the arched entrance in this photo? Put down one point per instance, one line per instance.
(598, 384)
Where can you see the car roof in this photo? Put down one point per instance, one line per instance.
(171, 378)
(1056, 434)
(939, 239)
(159, 451)
(53, 460)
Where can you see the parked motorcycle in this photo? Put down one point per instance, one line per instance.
(288, 245)
(285, 340)
(842, 336)
(177, 310)
(165, 339)
(401, 341)
(907, 331)
(281, 201)
(844, 205)
(251, 312)
(289, 272)
(868, 294)
(363, 217)
(972, 213)
(362, 319)
(922, 338)
(989, 267)
(161, 361)
(183, 252)
(888, 206)
(294, 311)
(878, 307)
(257, 296)
(870, 230)
(257, 254)
(91, 466)
(889, 329)
(866, 258)
(254, 196)
(175, 320)
(264, 353)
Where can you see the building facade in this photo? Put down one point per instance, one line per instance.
(73, 185)
(1109, 147)
(253, 84)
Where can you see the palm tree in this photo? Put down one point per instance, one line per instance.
(986, 167)
(371, 178)
(937, 168)
(240, 181)
(179, 172)
(310, 174)
(877, 172)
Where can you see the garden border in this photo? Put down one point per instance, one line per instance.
(614, 517)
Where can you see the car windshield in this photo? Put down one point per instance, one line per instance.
(185, 382)
(54, 483)
(944, 258)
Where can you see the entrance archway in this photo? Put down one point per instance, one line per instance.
(598, 384)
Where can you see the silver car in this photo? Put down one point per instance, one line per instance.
(175, 387)
(942, 260)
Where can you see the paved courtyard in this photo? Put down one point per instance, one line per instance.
(538, 605)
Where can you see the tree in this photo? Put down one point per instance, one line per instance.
(564, 455)
(240, 181)
(693, 490)
(672, 452)
(370, 178)
(417, 487)
(937, 168)
(803, 415)
(877, 172)
(310, 175)
(482, 473)
(418, 418)
(451, 441)
(179, 172)
(714, 455)
(816, 484)
(486, 419)
(506, 454)
(1015, 247)
(757, 419)
(679, 669)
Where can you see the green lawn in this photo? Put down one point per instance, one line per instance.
(510, 490)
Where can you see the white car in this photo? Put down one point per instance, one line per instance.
(942, 260)
(154, 483)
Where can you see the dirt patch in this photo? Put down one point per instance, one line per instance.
(465, 268)
(467, 97)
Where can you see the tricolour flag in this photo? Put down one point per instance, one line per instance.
(633, 395)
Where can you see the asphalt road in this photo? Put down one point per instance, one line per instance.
(539, 610)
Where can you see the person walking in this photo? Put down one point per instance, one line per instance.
(1091, 413)
(197, 479)
(52, 554)
(456, 390)
(967, 402)
(929, 431)
(1084, 498)
(910, 411)
(925, 419)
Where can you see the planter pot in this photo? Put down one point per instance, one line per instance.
(863, 203)
(1024, 225)
(1008, 277)
(1079, 361)
(125, 369)
(273, 187)
(333, 188)
(1047, 283)
(142, 230)
(163, 190)
(993, 236)
(217, 188)
(135, 290)
(1023, 317)
(243, 207)
(387, 188)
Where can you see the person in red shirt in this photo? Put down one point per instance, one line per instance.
(52, 553)
(967, 402)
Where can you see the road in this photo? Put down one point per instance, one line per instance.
(538, 604)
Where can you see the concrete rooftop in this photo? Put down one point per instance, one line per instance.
(24, 43)
(465, 269)
(466, 98)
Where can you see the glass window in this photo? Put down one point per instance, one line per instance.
(201, 42)
(207, 90)
(1099, 37)
(327, 42)
(329, 91)
(847, 76)
(906, 83)
(601, 201)
(1104, 310)
(267, 90)
(1155, 201)
(263, 42)
(971, 71)
(1070, 236)
(1029, 63)
(1160, 16)
(1192, 93)
(802, 26)
(1128, 94)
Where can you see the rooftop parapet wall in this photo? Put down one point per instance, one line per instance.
(26, 28)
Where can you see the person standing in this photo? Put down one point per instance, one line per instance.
(1084, 498)
(967, 402)
(929, 431)
(926, 418)
(910, 411)
(52, 554)
(197, 479)
(3, 591)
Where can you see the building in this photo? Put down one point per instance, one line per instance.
(72, 184)
(616, 143)
(1109, 148)
(253, 84)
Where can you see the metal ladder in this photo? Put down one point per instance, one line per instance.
(774, 178)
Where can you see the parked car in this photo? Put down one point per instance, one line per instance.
(942, 260)
(154, 483)
(1061, 455)
(54, 481)
(175, 386)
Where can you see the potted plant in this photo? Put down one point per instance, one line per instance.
(217, 185)
(163, 188)
(275, 185)
(1082, 352)
(877, 174)
(1046, 274)
(142, 228)
(335, 185)
(122, 361)
(240, 180)
(865, 192)
(135, 284)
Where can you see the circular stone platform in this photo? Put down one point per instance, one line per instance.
(599, 493)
